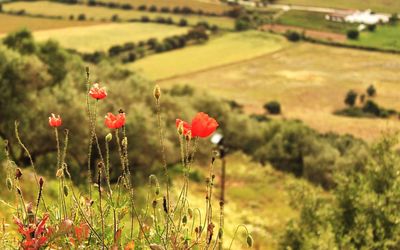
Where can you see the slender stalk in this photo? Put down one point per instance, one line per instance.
(164, 159)
(88, 111)
(16, 124)
(100, 205)
(234, 235)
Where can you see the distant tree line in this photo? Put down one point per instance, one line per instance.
(130, 51)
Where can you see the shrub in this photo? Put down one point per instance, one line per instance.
(198, 34)
(153, 8)
(71, 17)
(293, 36)
(145, 19)
(169, 20)
(186, 10)
(129, 46)
(115, 50)
(176, 10)
(160, 19)
(21, 41)
(371, 91)
(115, 18)
(372, 108)
(92, 3)
(241, 25)
(81, 17)
(183, 22)
(165, 9)
(371, 27)
(273, 107)
(203, 24)
(126, 6)
(181, 90)
(350, 98)
(152, 42)
(353, 34)
(142, 7)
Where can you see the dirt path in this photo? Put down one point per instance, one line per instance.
(310, 33)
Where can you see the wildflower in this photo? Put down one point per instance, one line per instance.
(54, 121)
(82, 232)
(98, 92)
(115, 121)
(35, 236)
(203, 125)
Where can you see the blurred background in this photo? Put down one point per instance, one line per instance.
(303, 91)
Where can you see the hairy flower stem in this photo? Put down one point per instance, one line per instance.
(164, 160)
(100, 205)
(107, 174)
(16, 124)
(234, 235)
(88, 111)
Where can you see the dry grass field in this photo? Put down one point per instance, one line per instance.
(310, 81)
(103, 36)
(105, 14)
(10, 23)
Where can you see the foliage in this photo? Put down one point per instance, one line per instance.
(371, 91)
(350, 98)
(353, 34)
(361, 214)
(273, 107)
(293, 36)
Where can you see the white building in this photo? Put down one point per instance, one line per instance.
(362, 17)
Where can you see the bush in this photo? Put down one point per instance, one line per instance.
(127, 6)
(350, 98)
(176, 10)
(371, 27)
(186, 10)
(165, 10)
(153, 8)
(81, 17)
(92, 3)
(145, 19)
(128, 46)
(293, 36)
(273, 107)
(353, 34)
(152, 42)
(160, 20)
(21, 41)
(183, 22)
(115, 50)
(241, 25)
(371, 91)
(372, 108)
(181, 90)
(142, 7)
(115, 18)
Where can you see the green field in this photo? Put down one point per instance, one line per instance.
(313, 20)
(389, 6)
(104, 36)
(226, 49)
(207, 6)
(10, 23)
(105, 14)
(309, 80)
(385, 37)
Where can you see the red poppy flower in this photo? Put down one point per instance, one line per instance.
(55, 121)
(35, 236)
(203, 125)
(186, 126)
(98, 92)
(115, 121)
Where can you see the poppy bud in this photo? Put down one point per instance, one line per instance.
(108, 137)
(41, 182)
(18, 173)
(220, 233)
(9, 184)
(184, 219)
(157, 92)
(249, 240)
(66, 190)
(190, 212)
(154, 204)
(188, 135)
(180, 128)
(59, 173)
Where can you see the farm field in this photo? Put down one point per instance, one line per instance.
(104, 14)
(385, 37)
(207, 6)
(388, 6)
(313, 20)
(17, 22)
(229, 48)
(104, 36)
(309, 80)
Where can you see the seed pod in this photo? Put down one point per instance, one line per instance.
(18, 173)
(109, 137)
(184, 219)
(154, 204)
(9, 184)
(66, 190)
(157, 92)
(41, 182)
(190, 212)
(59, 173)
(220, 233)
(157, 190)
(249, 240)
